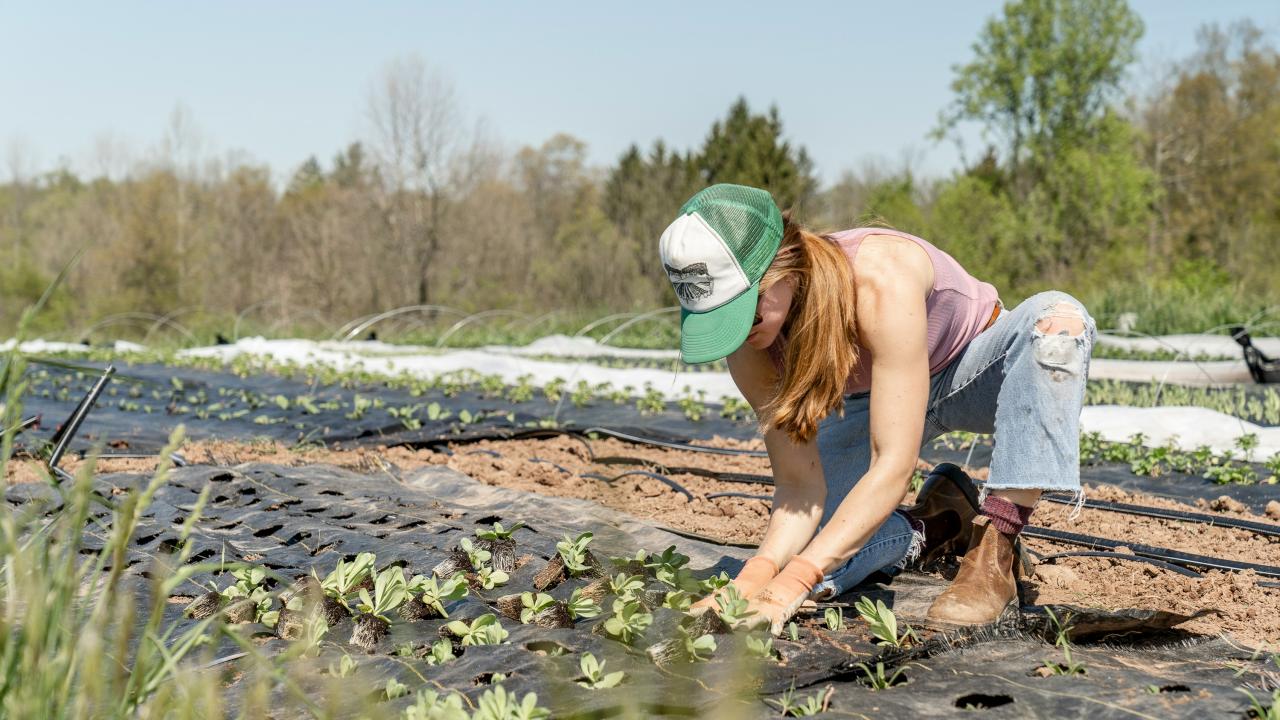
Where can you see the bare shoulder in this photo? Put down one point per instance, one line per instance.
(890, 261)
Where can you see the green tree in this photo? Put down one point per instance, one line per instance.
(1041, 78)
(1212, 135)
(748, 149)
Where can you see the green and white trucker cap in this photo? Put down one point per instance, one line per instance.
(715, 254)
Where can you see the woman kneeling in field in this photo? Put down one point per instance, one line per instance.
(856, 348)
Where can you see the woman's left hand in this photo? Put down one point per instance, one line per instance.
(779, 601)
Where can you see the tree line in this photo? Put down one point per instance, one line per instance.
(1159, 197)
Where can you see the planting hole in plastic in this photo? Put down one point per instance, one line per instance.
(982, 701)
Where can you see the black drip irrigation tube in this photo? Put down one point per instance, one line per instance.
(62, 437)
(733, 477)
(1165, 554)
(644, 473)
(673, 445)
(1184, 516)
(1117, 556)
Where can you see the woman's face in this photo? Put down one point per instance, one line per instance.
(771, 312)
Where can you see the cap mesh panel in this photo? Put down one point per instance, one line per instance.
(747, 219)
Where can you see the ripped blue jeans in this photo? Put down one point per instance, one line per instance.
(1013, 380)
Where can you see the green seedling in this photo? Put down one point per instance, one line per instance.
(652, 402)
(573, 551)
(431, 705)
(498, 704)
(760, 646)
(793, 632)
(498, 532)
(435, 593)
(1247, 444)
(917, 480)
(248, 585)
(834, 618)
(694, 409)
(594, 676)
(625, 586)
(314, 628)
(629, 621)
(732, 607)
(877, 678)
(346, 667)
(346, 576)
(630, 562)
(698, 648)
(883, 623)
(669, 568)
(484, 630)
(394, 689)
(522, 391)
(488, 578)
(582, 394)
(533, 605)
(735, 409)
(1229, 473)
(678, 600)
(790, 706)
(248, 579)
(389, 591)
(441, 652)
(359, 405)
(1273, 469)
(581, 607)
(491, 386)
(476, 556)
(554, 390)
(714, 583)
(1068, 666)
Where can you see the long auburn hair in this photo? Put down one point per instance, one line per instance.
(820, 331)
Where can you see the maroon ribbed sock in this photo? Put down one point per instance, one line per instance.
(1007, 517)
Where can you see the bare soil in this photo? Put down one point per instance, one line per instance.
(1247, 612)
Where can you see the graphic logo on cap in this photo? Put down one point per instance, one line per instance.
(691, 282)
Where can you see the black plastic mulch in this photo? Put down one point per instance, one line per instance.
(120, 419)
(293, 519)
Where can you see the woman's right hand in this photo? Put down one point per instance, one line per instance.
(756, 572)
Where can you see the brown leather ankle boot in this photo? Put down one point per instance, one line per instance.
(947, 504)
(986, 583)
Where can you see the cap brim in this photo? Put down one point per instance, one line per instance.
(717, 333)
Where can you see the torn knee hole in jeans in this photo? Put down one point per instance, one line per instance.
(1059, 346)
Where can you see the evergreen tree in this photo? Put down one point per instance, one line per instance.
(748, 149)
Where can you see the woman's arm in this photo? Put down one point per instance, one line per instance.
(893, 279)
(799, 490)
(799, 487)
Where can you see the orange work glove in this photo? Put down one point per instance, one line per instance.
(778, 601)
(756, 572)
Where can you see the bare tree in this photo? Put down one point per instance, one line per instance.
(419, 143)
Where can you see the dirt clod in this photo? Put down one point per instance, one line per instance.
(367, 632)
(205, 605)
(1227, 504)
(551, 575)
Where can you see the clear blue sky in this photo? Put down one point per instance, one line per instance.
(279, 81)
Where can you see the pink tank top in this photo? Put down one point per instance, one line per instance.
(958, 308)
